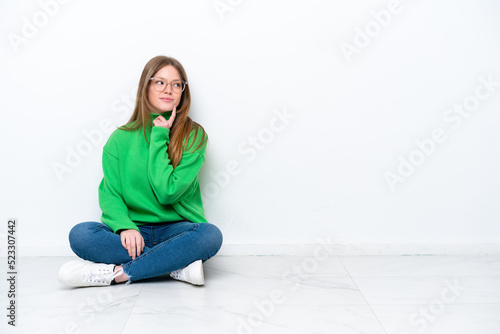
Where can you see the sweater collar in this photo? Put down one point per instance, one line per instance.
(165, 114)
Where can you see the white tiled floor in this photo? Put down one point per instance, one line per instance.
(272, 294)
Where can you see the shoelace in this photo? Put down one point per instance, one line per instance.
(102, 278)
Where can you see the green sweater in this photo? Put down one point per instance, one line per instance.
(140, 185)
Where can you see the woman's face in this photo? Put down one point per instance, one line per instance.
(165, 100)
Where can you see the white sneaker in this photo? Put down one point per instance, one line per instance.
(192, 274)
(85, 273)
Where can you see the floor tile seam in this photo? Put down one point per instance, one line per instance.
(298, 255)
(427, 304)
(132, 309)
(451, 256)
(417, 276)
(23, 295)
(307, 305)
(363, 296)
(78, 304)
(302, 305)
(272, 255)
(280, 276)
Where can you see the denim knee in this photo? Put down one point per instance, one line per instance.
(79, 236)
(212, 235)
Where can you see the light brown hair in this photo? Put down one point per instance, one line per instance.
(183, 124)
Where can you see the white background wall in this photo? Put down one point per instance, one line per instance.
(70, 68)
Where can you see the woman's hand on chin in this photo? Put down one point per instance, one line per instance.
(161, 121)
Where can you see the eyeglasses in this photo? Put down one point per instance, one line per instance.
(160, 84)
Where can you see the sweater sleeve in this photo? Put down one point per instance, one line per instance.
(114, 210)
(172, 185)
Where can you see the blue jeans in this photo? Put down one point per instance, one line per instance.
(168, 246)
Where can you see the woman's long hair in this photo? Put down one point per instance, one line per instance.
(183, 125)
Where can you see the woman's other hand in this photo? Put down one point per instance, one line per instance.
(133, 242)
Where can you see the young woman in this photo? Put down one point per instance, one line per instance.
(152, 213)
